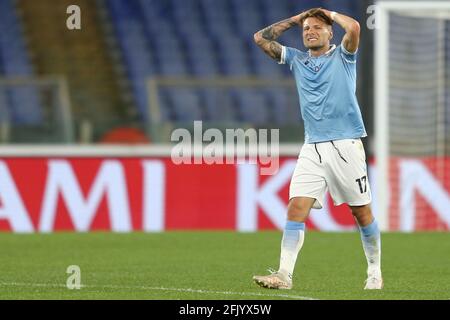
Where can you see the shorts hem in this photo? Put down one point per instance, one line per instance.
(304, 195)
(355, 204)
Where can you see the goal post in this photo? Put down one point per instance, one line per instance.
(411, 101)
(35, 109)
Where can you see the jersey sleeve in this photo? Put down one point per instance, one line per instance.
(347, 56)
(287, 55)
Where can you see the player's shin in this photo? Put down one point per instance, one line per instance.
(292, 242)
(371, 241)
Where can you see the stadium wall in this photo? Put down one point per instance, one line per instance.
(128, 189)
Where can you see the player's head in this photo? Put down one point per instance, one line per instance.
(317, 29)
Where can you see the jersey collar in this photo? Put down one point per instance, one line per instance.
(325, 54)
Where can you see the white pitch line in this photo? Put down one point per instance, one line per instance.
(288, 296)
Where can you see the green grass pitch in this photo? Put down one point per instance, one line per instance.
(217, 265)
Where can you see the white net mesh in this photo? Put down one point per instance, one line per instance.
(417, 85)
(419, 119)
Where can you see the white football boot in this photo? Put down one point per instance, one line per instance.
(275, 280)
(374, 280)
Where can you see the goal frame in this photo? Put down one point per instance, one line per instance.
(381, 53)
(62, 96)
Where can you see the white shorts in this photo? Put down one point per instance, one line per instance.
(338, 166)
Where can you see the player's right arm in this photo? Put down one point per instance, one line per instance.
(266, 37)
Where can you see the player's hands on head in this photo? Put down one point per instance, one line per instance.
(327, 12)
(301, 16)
(326, 15)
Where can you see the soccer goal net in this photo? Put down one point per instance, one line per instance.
(35, 110)
(412, 53)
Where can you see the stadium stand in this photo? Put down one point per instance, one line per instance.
(207, 38)
(144, 39)
(82, 56)
(19, 105)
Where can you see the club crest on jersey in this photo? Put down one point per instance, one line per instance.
(311, 66)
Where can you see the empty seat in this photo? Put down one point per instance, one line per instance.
(22, 101)
(300, 6)
(234, 57)
(253, 106)
(347, 7)
(284, 105)
(248, 17)
(202, 57)
(217, 17)
(219, 106)
(186, 105)
(275, 11)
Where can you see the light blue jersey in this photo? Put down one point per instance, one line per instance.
(327, 89)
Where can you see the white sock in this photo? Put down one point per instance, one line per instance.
(292, 242)
(371, 240)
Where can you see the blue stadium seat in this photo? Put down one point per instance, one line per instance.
(185, 12)
(173, 66)
(217, 17)
(347, 7)
(202, 57)
(248, 16)
(253, 106)
(22, 102)
(170, 56)
(233, 54)
(300, 6)
(275, 11)
(186, 105)
(134, 45)
(219, 106)
(284, 105)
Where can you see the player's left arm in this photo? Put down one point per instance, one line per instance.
(351, 27)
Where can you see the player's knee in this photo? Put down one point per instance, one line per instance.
(360, 210)
(298, 211)
(363, 214)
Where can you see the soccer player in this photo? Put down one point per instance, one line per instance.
(333, 155)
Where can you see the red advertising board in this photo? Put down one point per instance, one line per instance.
(153, 194)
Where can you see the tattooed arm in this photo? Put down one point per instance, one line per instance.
(266, 37)
(351, 27)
